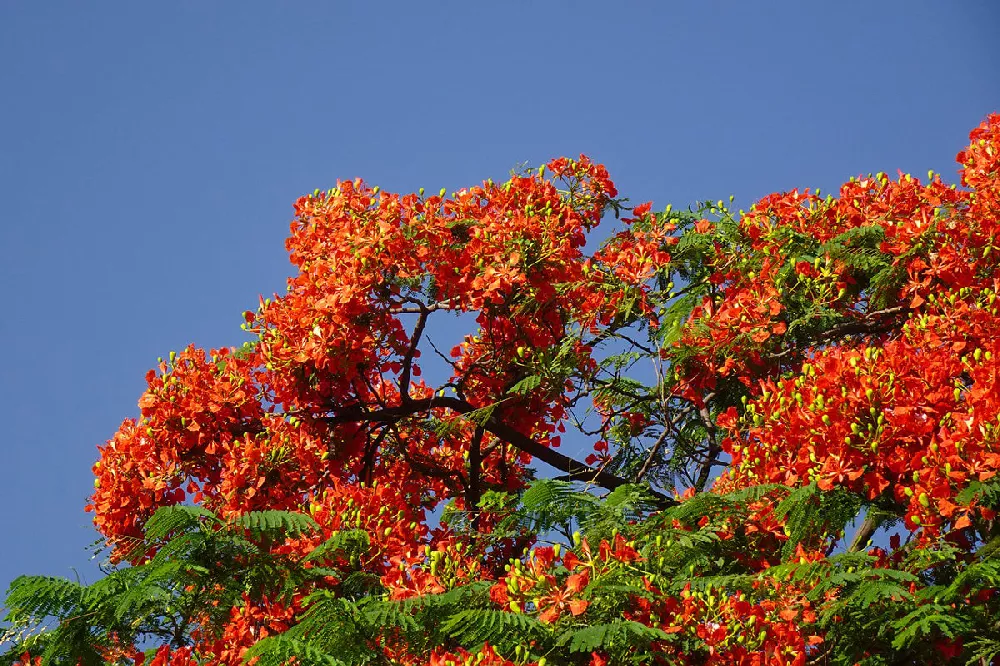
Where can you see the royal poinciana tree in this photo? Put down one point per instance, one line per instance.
(788, 420)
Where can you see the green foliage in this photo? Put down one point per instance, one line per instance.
(620, 636)
(272, 524)
(503, 629)
(189, 563)
(550, 504)
(196, 559)
(177, 518)
(192, 567)
(344, 544)
(278, 650)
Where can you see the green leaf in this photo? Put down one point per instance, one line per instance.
(280, 524)
(177, 518)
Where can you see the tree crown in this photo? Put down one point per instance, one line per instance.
(748, 385)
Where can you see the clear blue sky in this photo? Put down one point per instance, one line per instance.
(150, 153)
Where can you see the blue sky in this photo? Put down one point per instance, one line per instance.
(150, 153)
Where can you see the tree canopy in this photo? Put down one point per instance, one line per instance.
(788, 419)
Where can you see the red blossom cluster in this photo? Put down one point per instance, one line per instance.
(328, 412)
(910, 410)
(318, 414)
(765, 627)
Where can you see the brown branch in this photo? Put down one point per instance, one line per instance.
(418, 330)
(473, 492)
(652, 454)
(713, 450)
(421, 308)
(670, 425)
(429, 470)
(864, 533)
(874, 322)
(573, 469)
(371, 447)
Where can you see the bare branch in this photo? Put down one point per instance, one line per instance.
(652, 454)
(713, 450)
(422, 308)
(371, 448)
(879, 321)
(868, 527)
(573, 469)
(418, 330)
(473, 491)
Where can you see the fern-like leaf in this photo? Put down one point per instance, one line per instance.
(280, 524)
(279, 650)
(39, 597)
(475, 626)
(342, 543)
(177, 518)
(614, 636)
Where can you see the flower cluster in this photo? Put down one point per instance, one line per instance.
(910, 410)
(844, 344)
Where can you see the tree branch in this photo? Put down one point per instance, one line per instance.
(422, 309)
(713, 450)
(669, 425)
(473, 492)
(371, 447)
(874, 322)
(573, 469)
(865, 532)
(418, 330)
(652, 454)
